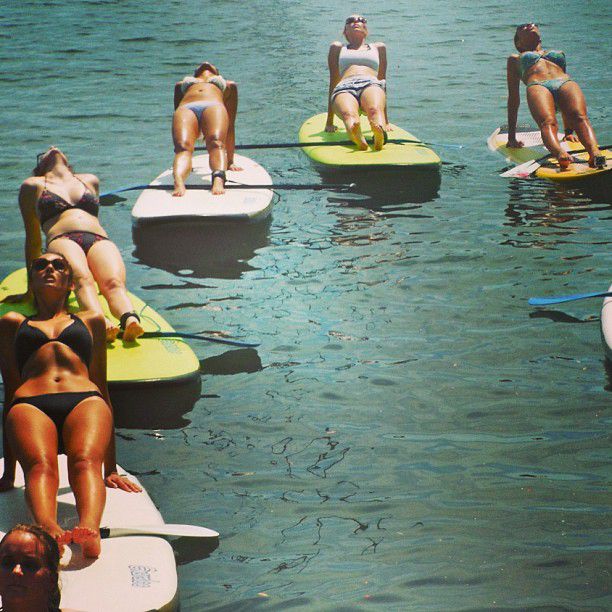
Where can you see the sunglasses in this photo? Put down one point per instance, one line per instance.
(356, 20)
(38, 265)
(523, 26)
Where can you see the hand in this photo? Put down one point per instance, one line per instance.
(115, 481)
(18, 297)
(513, 143)
(389, 127)
(234, 167)
(331, 128)
(571, 138)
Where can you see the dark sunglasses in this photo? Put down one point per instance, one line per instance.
(526, 25)
(38, 265)
(356, 20)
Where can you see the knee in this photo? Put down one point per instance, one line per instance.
(576, 116)
(83, 280)
(215, 142)
(548, 122)
(183, 147)
(43, 467)
(349, 117)
(84, 462)
(111, 284)
(372, 112)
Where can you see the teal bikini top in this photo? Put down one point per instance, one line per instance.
(531, 58)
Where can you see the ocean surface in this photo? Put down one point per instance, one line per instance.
(411, 434)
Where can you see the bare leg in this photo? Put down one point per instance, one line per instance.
(34, 438)
(84, 285)
(373, 102)
(573, 106)
(185, 131)
(542, 107)
(347, 108)
(215, 123)
(87, 434)
(107, 266)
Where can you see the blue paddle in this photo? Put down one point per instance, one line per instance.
(536, 301)
(174, 334)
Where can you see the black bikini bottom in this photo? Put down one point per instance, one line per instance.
(57, 406)
(84, 239)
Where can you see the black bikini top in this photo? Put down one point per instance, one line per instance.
(30, 339)
(51, 205)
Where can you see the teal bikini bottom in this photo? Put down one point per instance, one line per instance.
(553, 85)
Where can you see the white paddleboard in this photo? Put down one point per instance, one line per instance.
(132, 574)
(606, 326)
(156, 205)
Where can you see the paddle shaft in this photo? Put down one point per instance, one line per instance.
(189, 531)
(174, 334)
(536, 301)
(350, 143)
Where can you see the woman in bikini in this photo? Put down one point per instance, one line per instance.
(204, 103)
(548, 87)
(357, 73)
(65, 205)
(53, 366)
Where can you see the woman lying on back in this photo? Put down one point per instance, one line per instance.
(53, 366)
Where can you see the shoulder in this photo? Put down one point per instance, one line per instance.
(379, 45)
(31, 185)
(335, 47)
(10, 321)
(231, 85)
(89, 179)
(513, 60)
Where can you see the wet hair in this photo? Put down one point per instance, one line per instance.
(205, 66)
(37, 171)
(70, 277)
(50, 556)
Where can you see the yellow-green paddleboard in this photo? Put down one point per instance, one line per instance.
(161, 360)
(533, 148)
(345, 156)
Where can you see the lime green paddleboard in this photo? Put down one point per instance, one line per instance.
(161, 360)
(346, 156)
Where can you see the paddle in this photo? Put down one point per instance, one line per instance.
(536, 301)
(289, 186)
(179, 531)
(528, 168)
(174, 334)
(292, 145)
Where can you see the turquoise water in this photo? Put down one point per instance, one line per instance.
(410, 434)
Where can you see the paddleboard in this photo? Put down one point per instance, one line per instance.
(606, 326)
(345, 156)
(132, 574)
(236, 205)
(534, 149)
(161, 360)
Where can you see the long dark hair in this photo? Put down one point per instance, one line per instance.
(51, 559)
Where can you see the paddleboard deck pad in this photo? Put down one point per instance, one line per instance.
(606, 326)
(345, 156)
(235, 205)
(145, 361)
(534, 149)
(132, 574)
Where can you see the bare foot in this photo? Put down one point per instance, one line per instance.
(133, 329)
(597, 160)
(218, 186)
(357, 137)
(88, 539)
(379, 136)
(179, 190)
(111, 331)
(564, 159)
(61, 536)
(234, 168)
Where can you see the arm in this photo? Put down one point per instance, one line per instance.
(334, 79)
(28, 196)
(97, 375)
(230, 98)
(382, 74)
(178, 94)
(9, 324)
(514, 99)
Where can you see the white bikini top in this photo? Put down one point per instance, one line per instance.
(358, 57)
(217, 80)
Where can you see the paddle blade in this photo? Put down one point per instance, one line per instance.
(179, 531)
(522, 170)
(542, 301)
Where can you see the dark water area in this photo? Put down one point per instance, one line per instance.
(410, 434)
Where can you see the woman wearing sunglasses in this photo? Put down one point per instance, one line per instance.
(204, 103)
(357, 73)
(53, 366)
(65, 206)
(549, 88)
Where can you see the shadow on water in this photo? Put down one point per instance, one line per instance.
(201, 251)
(232, 362)
(188, 550)
(381, 189)
(155, 406)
